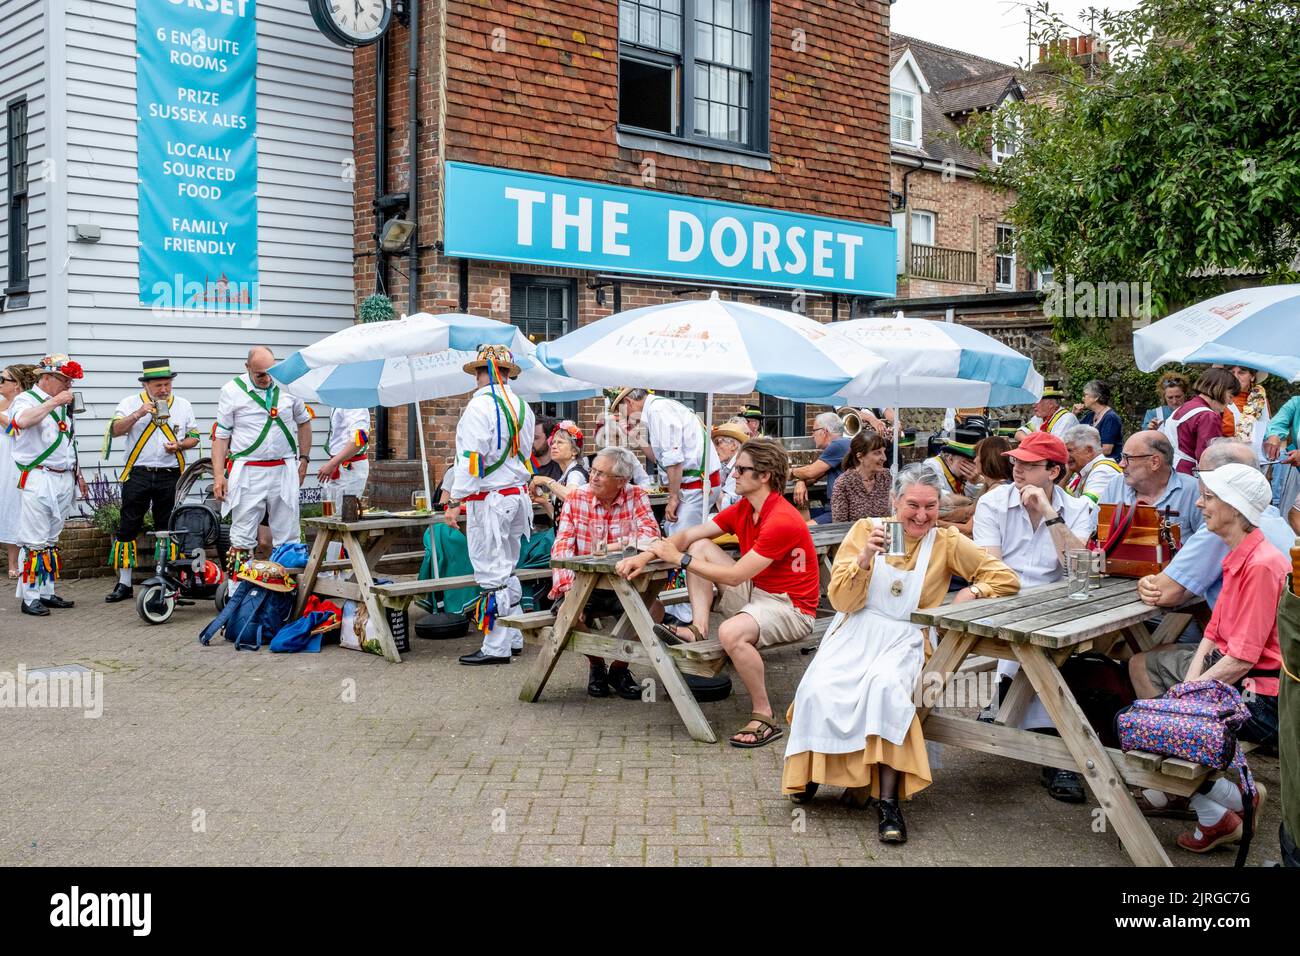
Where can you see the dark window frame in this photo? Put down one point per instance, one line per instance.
(18, 237)
(777, 411)
(521, 281)
(684, 109)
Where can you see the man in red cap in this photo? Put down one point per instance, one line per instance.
(1030, 524)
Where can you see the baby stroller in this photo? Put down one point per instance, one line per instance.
(190, 553)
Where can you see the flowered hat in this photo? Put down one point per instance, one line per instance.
(570, 428)
(489, 355)
(267, 574)
(59, 365)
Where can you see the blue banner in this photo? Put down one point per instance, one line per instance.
(525, 217)
(196, 89)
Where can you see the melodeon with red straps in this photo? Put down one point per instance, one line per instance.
(1138, 540)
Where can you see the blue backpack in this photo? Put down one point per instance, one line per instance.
(252, 617)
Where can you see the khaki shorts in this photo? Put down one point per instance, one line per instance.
(779, 621)
(1170, 667)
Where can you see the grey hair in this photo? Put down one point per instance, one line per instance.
(831, 422)
(624, 461)
(637, 394)
(917, 474)
(1083, 436)
(1228, 451)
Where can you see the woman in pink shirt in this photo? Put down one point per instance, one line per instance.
(1240, 646)
(1199, 421)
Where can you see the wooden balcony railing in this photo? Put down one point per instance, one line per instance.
(944, 265)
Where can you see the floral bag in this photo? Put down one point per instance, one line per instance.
(1196, 721)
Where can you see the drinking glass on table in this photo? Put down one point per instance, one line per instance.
(1078, 568)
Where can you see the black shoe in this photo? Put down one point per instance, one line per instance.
(1064, 785)
(892, 827)
(57, 602)
(516, 651)
(121, 592)
(809, 791)
(36, 609)
(624, 684)
(478, 657)
(597, 684)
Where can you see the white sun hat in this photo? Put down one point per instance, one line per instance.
(1242, 487)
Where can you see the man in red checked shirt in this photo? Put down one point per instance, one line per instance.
(608, 508)
(767, 597)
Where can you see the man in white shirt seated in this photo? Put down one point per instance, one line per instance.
(1049, 416)
(1091, 471)
(1030, 524)
(1149, 479)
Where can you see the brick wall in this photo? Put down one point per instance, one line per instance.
(966, 216)
(532, 86)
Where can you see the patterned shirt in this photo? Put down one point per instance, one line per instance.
(585, 521)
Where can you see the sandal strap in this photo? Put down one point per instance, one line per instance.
(762, 719)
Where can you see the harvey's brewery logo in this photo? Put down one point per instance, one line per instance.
(675, 340)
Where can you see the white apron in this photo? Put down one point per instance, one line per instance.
(10, 502)
(863, 679)
(494, 530)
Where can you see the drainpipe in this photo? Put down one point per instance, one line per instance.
(382, 450)
(413, 190)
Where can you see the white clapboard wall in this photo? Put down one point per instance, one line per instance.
(22, 73)
(305, 238)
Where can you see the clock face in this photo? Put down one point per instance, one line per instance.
(352, 22)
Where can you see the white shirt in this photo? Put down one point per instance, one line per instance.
(1091, 482)
(241, 419)
(181, 421)
(936, 465)
(677, 437)
(1064, 423)
(727, 496)
(345, 423)
(477, 433)
(1001, 521)
(30, 442)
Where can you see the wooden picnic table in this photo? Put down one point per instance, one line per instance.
(632, 639)
(366, 542)
(1041, 628)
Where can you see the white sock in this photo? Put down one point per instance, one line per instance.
(1226, 793)
(1157, 798)
(124, 576)
(1208, 812)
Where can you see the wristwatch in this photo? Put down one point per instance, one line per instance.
(1051, 521)
(686, 560)
(975, 590)
(304, 457)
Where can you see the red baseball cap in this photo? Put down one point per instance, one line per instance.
(1040, 446)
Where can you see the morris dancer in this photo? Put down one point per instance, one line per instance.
(1049, 416)
(491, 475)
(346, 442)
(257, 479)
(45, 451)
(159, 428)
(677, 442)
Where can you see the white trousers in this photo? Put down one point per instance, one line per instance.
(494, 529)
(45, 503)
(257, 490)
(690, 512)
(351, 481)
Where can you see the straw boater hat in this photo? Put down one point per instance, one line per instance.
(731, 430)
(59, 365)
(155, 370)
(617, 395)
(497, 355)
(267, 574)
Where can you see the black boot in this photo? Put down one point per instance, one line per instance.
(892, 827)
(597, 684)
(624, 684)
(120, 592)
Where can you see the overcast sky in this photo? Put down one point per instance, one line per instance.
(997, 29)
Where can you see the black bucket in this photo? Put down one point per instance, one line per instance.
(440, 626)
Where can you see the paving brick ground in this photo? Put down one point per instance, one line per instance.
(204, 755)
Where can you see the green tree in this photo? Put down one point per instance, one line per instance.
(1177, 152)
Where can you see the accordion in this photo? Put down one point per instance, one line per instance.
(1137, 539)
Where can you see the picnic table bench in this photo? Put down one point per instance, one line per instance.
(1041, 628)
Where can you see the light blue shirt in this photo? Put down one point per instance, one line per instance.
(1198, 565)
(1180, 495)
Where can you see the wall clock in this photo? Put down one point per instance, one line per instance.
(352, 22)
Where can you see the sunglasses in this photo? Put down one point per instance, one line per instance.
(6, 378)
(743, 469)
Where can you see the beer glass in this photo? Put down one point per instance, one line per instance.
(1078, 568)
(419, 501)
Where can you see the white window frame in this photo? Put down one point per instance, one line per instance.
(998, 256)
(1000, 155)
(895, 117)
(924, 215)
(1044, 276)
(907, 80)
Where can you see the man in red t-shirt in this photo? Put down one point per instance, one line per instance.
(767, 597)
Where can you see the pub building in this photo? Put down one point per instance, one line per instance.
(577, 159)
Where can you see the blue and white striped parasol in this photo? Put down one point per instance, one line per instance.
(1255, 328)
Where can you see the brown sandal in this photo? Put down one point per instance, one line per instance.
(764, 734)
(670, 636)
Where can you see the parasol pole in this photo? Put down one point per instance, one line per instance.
(898, 397)
(424, 467)
(708, 440)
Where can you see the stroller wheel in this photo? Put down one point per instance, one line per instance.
(220, 597)
(154, 605)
